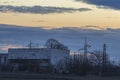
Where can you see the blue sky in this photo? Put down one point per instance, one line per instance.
(113, 4)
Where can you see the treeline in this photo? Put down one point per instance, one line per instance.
(94, 64)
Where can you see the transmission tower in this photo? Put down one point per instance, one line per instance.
(85, 49)
(29, 45)
(104, 58)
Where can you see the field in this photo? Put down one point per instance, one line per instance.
(34, 76)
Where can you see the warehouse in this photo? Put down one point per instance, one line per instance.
(48, 55)
(52, 53)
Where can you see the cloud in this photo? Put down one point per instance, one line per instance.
(73, 37)
(107, 4)
(40, 9)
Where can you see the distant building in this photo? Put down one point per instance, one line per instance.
(40, 55)
(52, 53)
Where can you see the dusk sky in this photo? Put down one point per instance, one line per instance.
(66, 20)
(60, 13)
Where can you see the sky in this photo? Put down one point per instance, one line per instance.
(60, 13)
(68, 21)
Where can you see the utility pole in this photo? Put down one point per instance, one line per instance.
(85, 50)
(30, 45)
(104, 58)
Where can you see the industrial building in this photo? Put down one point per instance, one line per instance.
(51, 54)
(40, 55)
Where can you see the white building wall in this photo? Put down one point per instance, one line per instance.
(54, 55)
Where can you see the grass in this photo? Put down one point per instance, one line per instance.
(34, 76)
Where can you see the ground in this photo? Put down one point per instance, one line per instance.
(34, 76)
